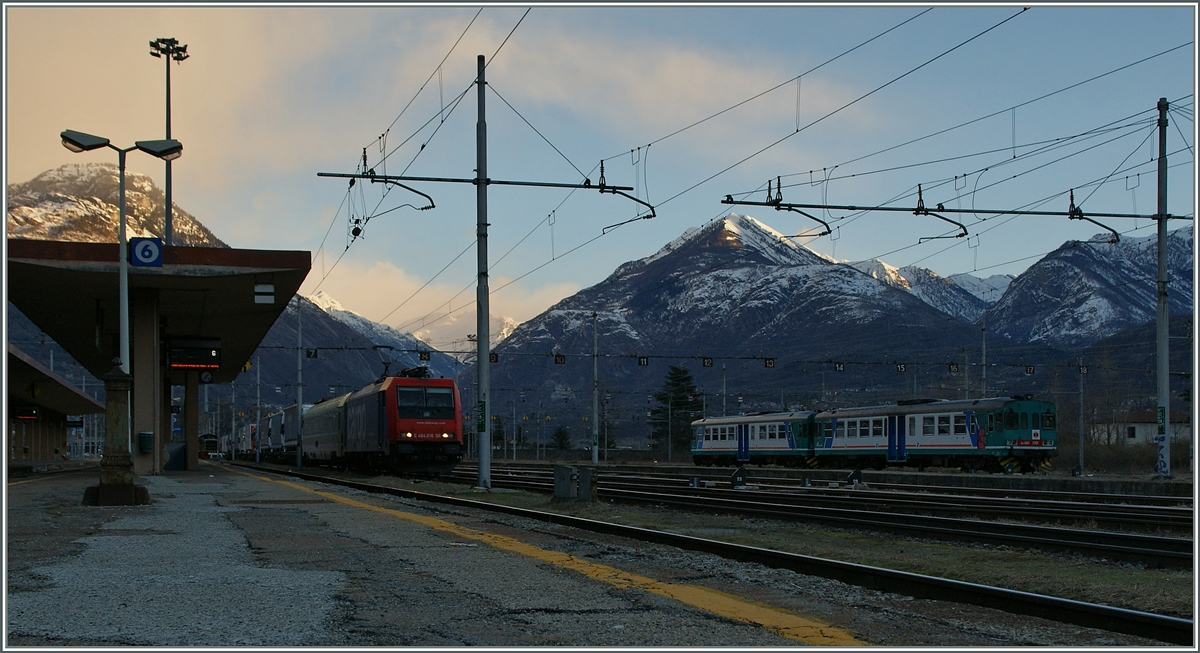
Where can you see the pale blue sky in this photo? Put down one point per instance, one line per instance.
(271, 96)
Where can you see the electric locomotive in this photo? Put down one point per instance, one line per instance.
(400, 423)
(993, 434)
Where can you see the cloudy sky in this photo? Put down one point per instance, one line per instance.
(984, 107)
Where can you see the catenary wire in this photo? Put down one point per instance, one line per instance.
(535, 130)
(442, 114)
(781, 84)
(839, 109)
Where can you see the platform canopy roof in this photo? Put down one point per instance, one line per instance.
(70, 291)
(32, 384)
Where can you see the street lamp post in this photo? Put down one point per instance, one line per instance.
(167, 150)
(168, 50)
(116, 478)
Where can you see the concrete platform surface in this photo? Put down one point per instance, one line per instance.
(225, 557)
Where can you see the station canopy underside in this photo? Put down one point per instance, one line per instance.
(71, 292)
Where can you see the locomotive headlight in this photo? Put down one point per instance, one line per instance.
(445, 435)
(408, 435)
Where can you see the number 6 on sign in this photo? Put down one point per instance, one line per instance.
(146, 252)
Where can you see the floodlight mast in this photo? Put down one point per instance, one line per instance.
(481, 182)
(169, 50)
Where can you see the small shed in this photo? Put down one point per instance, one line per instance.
(1141, 426)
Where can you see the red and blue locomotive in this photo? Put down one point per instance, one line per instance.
(408, 423)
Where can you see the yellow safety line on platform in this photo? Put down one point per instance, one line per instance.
(805, 629)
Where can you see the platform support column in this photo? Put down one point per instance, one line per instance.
(116, 486)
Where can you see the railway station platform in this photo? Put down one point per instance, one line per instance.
(226, 557)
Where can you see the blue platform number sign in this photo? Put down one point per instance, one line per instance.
(146, 252)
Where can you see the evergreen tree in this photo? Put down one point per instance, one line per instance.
(678, 404)
(561, 438)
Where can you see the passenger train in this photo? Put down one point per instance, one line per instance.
(993, 434)
(398, 423)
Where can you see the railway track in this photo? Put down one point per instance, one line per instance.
(1163, 628)
(855, 510)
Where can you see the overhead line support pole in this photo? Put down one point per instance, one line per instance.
(595, 391)
(482, 362)
(481, 182)
(1164, 314)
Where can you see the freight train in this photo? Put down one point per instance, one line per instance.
(409, 423)
(994, 434)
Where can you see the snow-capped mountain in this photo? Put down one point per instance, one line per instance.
(989, 289)
(81, 203)
(736, 292)
(1085, 291)
(944, 294)
(403, 348)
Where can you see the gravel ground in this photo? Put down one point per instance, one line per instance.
(229, 560)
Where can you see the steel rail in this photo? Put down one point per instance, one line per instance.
(1164, 628)
(1121, 516)
(950, 505)
(1125, 547)
(771, 477)
(1154, 551)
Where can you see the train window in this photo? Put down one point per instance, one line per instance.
(773, 431)
(1024, 421)
(1010, 420)
(841, 430)
(425, 402)
(829, 429)
(1048, 420)
(927, 425)
(1036, 420)
(852, 429)
(991, 422)
(439, 397)
(960, 424)
(943, 422)
(877, 428)
(912, 425)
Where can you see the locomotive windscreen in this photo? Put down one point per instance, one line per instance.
(425, 402)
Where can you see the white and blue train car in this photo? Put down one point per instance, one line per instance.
(995, 434)
(763, 438)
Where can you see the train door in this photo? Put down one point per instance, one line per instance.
(897, 440)
(743, 442)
